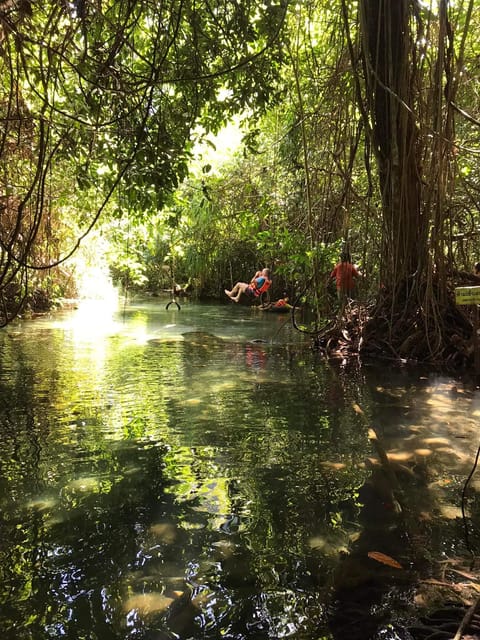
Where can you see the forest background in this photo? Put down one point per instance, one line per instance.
(359, 124)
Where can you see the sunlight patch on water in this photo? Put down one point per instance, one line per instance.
(94, 318)
(328, 547)
(337, 466)
(423, 452)
(193, 401)
(224, 548)
(436, 440)
(164, 531)
(86, 485)
(213, 496)
(226, 385)
(399, 456)
(451, 512)
(42, 503)
(148, 603)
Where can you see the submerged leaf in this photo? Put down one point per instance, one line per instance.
(384, 559)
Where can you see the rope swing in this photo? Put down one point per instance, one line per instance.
(172, 273)
(173, 301)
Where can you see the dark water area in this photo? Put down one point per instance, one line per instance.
(203, 474)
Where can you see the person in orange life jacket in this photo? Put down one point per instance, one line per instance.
(281, 304)
(345, 274)
(259, 284)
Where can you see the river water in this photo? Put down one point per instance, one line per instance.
(202, 474)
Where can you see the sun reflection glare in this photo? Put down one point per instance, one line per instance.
(98, 301)
(93, 318)
(96, 284)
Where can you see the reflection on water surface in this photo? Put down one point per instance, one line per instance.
(202, 474)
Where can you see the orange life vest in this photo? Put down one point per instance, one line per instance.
(265, 286)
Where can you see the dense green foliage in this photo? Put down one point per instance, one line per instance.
(360, 126)
(101, 104)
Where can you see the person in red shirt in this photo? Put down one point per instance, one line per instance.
(345, 274)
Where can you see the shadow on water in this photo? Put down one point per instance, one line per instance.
(199, 474)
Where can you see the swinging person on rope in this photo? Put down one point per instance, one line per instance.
(260, 283)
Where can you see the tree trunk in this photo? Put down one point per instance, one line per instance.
(390, 71)
(410, 86)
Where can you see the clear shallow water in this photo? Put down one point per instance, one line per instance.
(163, 476)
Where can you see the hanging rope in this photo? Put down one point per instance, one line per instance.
(173, 301)
(126, 285)
(172, 273)
(316, 333)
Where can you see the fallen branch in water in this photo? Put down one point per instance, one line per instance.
(467, 618)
